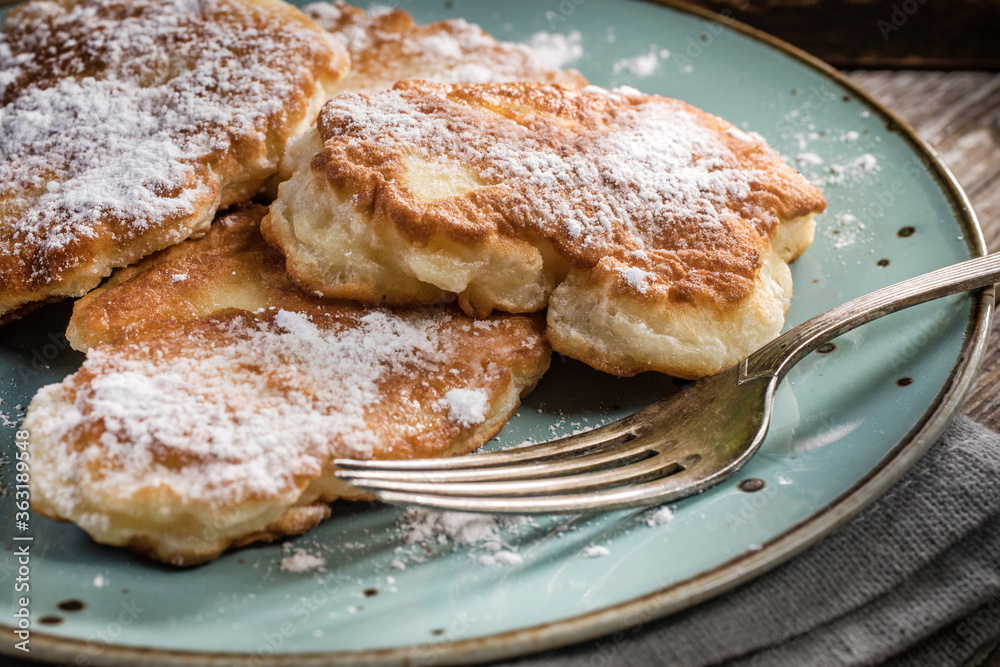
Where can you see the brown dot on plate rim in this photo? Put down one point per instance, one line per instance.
(904, 382)
(883, 263)
(72, 605)
(437, 631)
(826, 348)
(905, 231)
(370, 592)
(752, 484)
(50, 620)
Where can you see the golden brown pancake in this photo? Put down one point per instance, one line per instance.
(656, 234)
(124, 126)
(389, 46)
(215, 396)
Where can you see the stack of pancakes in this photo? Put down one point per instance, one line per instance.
(456, 208)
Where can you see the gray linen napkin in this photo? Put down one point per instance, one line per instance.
(913, 580)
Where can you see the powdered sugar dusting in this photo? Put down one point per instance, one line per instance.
(853, 170)
(659, 165)
(659, 516)
(461, 528)
(502, 557)
(637, 278)
(102, 137)
(106, 113)
(846, 231)
(596, 551)
(467, 407)
(748, 137)
(251, 408)
(423, 528)
(554, 50)
(643, 65)
(301, 560)
(808, 158)
(450, 51)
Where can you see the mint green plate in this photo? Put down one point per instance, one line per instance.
(847, 423)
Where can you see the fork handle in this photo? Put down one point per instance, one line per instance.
(778, 356)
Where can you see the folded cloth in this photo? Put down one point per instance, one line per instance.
(913, 580)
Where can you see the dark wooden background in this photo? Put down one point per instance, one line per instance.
(954, 34)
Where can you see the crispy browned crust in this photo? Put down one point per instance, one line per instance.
(58, 237)
(230, 267)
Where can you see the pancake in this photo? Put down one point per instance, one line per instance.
(389, 46)
(125, 126)
(656, 234)
(215, 396)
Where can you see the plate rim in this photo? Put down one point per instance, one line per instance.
(671, 599)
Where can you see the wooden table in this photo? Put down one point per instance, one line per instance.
(958, 114)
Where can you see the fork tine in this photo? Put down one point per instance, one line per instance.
(531, 467)
(658, 491)
(654, 467)
(563, 447)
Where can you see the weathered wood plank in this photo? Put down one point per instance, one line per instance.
(958, 113)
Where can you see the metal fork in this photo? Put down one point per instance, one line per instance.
(674, 448)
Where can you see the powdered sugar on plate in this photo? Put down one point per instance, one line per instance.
(555, 50)
(643, 65)
(659, 516)
(301, 560)
(502, 557)
(596, 551)
(428, 525)
(486, 535)
(854, 170)
(845, 231)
